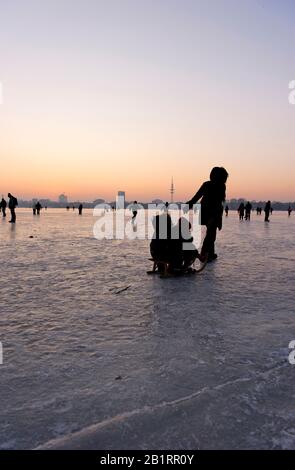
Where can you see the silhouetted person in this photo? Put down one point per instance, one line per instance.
(160, 246)
(226, 211)
(12, 204)
(182, 256)
(212, 195)
(134, 209)
(267, 211)
(38, 208)
(73, 208)
(80, 208)
(3, 205)
(241, 211)
(34, 209)
(68, 208)
(289, 211)
(248, 209)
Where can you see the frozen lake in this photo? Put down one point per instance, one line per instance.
(181, 363)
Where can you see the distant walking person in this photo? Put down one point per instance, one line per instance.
(3, 205)
(248, 209)
(38, 208)
(226, 211)
(267, 211)
(289, 211)
(80, 209)
(241, 211)
(134, 209)
(212, 193)
(12, 204)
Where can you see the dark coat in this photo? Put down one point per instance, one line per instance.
(213, 196)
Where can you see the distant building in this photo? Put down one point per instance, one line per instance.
(172, 191)
(63, 199)
(120, 200)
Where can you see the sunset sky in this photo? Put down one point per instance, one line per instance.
(101, 96)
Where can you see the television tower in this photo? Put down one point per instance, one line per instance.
(172, 190)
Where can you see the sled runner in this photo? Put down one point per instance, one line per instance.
(164, 268)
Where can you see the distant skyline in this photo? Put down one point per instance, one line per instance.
(99, 96)
(99, 200)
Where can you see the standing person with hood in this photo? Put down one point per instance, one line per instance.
(38, 208)
(12, 205)
(212, 195)
(248, 209)
(267, 211)
(3, 205)
(241, 211)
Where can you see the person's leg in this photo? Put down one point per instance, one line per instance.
(13, 216)
(209, 240)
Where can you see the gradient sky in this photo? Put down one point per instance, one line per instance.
(101, 96)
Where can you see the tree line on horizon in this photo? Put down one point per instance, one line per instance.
(233, 204)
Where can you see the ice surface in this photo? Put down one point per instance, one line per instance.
(200, 362)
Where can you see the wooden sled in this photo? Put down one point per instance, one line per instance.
(162, 267)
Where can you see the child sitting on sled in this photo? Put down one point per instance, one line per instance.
(160, 246)
(171, 247)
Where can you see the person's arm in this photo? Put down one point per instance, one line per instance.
(197, 196)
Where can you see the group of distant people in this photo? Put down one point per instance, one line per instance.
(37, 208)
(244, 211)
(80, 208)
(12, 204)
